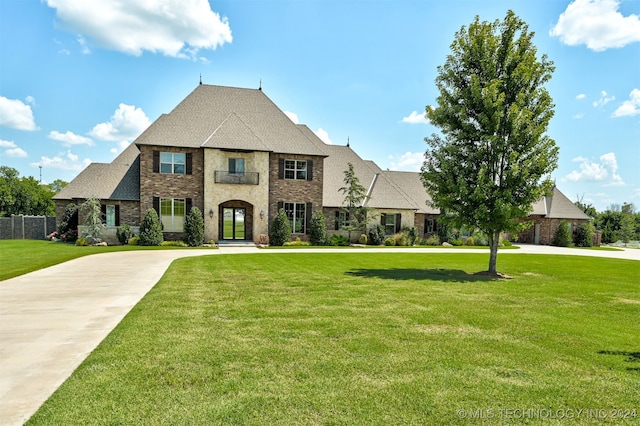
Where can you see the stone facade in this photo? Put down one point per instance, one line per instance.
(253, 198)
(543, 230)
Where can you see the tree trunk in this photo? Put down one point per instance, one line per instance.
(494, 241)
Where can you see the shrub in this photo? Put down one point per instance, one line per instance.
(480, 239)
(457, 242)
(338, 240)
(376, 235)
(563, 235)
(124, 233)
(82, 242)
(433, 240)
(470, 242)
(134, 241)
(584, 235)
(150, 229)
(194, 228)
(400, 239)
(505, 243)
(69, 222)
(363, 239)
(280, 231)
(318, 231)
(390, 241)
(412, 235)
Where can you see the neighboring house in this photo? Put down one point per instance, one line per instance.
(547, 215)
(236, 156)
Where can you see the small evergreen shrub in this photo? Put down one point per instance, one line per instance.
(376, 235)
(433, 240)
(82, 242)
(470, 242)
(68, 229)
(563, 235)
(150, 229)
(134, 241)
(92, 214)
(584, 235)
(124, 233)
(318, 231)
(280, 231)
(194, 228)
(390, 241)
(412, 235)
(338, 240)
(363, 239)
(505, 243)
(480, 239)
(457, 242)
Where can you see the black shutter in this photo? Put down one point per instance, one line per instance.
(280, 206)
(187, 208)
(383, 219)
(156, 161)
(156, 205)
(398, 222)
(309, 170)
(189, 158)
(308, 218)
(117, 215)
(280, 168)
(337, 220)
(103, 217)
(232, 165)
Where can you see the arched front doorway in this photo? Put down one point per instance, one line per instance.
(235, 220)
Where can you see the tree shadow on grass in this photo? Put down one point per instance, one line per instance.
(447, 275)
(631, 357)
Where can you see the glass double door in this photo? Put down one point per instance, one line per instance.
(233, 223)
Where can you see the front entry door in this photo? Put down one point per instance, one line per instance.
(233, 225)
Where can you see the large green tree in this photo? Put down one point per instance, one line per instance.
(486, 169)
(24, 195)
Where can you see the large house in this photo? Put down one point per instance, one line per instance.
(236, 156)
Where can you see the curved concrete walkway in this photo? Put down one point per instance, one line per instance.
(51, 319)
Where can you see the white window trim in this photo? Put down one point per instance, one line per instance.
(173, 215)
(173, 163)
(294, 213)
(298, 166)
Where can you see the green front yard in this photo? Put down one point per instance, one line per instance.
(365, 338)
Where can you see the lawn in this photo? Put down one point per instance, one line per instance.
(367, 338)
(19, 257)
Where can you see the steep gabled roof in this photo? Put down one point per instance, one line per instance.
(208, 109)
(118, 180)
(560, 207)
(411, 184)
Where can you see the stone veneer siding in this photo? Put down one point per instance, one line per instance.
(295, 191)
(166, 185)
(548, 229)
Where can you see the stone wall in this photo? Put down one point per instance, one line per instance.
(546, 229)
(26, 227)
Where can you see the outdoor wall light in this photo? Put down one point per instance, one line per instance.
(261, 214)
(211, 213)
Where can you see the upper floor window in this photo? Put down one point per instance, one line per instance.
(236, 165)
(295, 169)
(173, 162)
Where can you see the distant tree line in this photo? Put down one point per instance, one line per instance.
(617, 223)
(25, 195)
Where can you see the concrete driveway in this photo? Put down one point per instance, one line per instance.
(51, 319)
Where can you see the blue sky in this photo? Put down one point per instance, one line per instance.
(79, 81)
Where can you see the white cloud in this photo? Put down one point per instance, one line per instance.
(323, 135)
(178, 28)
(409, 161)
(126, 124)
(16, 114)
(12, 151)
(579, 116)
(69, 138)
(83, 45)
(629, 107)
(63, 161)
(581, 96)
(292, 116)
(597, 24)
(606, 171)
(603, 100)
(416, 118)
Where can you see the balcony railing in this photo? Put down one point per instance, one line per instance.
(245, 178)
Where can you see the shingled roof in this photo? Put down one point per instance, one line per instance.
(118, 180)
(228, 118)
(558, 206)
